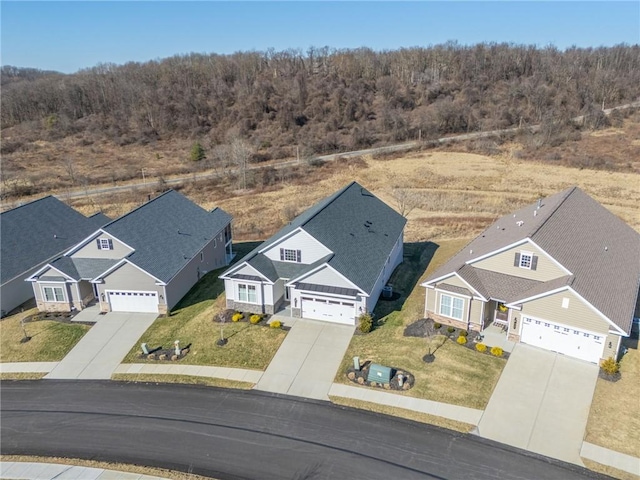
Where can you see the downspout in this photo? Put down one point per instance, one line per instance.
(80, 302)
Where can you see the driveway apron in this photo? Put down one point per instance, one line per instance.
(541, 403)
(103, 347)
(307, 361)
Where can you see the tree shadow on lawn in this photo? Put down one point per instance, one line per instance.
(417, 257)
(209, 287)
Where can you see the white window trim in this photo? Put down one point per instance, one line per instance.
(527, 254)
(247, 287)
(104, 244)
(290, 250)
(450, 315)
(44, 295)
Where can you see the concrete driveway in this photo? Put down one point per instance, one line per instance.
(541, 403)
(103, 347)
(307, 361)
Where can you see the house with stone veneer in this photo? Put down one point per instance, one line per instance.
(330, 263)
(32, 235)
(144, 261)
(561, 274)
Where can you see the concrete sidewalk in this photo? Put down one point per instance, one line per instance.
(103, 347)
(618, 460)
(445, 410)
(27, 367)
(51, 471)
(307, 361)
(238, 374)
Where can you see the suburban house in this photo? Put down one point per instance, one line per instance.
(32, 235)
(330, 263)
(562, 274)
(144, 261)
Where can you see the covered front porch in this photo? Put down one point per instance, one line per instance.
(495, 331)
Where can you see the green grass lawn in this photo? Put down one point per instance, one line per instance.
(50, 341)
(458, 375)
(191, 322)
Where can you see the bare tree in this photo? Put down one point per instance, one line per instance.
(70, 168)
(241, 152)
(406, 200)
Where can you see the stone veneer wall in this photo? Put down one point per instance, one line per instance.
(453, 322)
(53, 306)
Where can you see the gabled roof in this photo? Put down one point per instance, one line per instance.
(356, 226)
(167, 232)
(83, 268)
(600, 250)
(38, 231)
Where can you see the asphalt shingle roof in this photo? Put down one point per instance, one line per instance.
(167, 232)
(355, 225)
(83, 268)
(600, 250)
(38, 231)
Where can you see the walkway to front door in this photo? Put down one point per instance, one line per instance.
(541, 403)
(307, 361)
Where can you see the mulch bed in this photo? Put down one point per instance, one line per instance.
(424, 328)
(60, 317)
(360, 377)
(609, 378)
(165, 354)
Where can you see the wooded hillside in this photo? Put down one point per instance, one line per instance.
(322, 100)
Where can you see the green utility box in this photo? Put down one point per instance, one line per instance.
(379, 373)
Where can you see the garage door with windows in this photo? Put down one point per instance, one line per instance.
(330, 310)
(133, 301)
(563, 339)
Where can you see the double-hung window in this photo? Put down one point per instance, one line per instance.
(451, 306)
(53, 294)
(247, 293)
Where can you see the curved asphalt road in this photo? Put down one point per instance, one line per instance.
(232, 434)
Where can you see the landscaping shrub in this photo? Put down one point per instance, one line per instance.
(275, 324)
(237, 317)
(496, 351)
(255, 318)
(366, 323)
(463, 333)
(461, 340)
(610, 366)
(437, 325)
(451, 329)
(481, 347)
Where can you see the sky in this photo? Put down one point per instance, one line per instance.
(68, 36)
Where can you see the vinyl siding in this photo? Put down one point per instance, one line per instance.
(311, 249)
(465, 308)
(327, 276)
(15, 293)
(128, 277)
(86, 291)
(90, 250)
(231, 290)
(395, 259)
(456, 282)
(476, 312)
(613, 350)
(247, 270)
(278, 290)
(52, 306)
(578, 315)
(503, 263)
(181, 283)
(430, 300)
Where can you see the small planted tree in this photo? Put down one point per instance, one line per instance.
(365, 322)
(222, 319)
(197, 152)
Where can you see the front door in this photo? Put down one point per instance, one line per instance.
(287, 293)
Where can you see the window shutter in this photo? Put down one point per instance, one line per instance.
(298, 256)
(98, 243)
(516, 261)
(534, 262)
(282, 254)
(110, 244)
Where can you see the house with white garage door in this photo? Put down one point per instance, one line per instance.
(562, 274)
(144, 261)
(330, 263)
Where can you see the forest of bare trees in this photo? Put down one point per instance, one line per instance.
(321, 100)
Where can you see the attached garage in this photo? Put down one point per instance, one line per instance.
(133, 301)
(329, 309)
(564, 339)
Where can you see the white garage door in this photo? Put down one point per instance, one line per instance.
(133, 301)
(336, 311)
(563, 339)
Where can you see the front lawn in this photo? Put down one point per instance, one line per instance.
(458, 375)
(191, 322)
(614, 418)
(50, 340)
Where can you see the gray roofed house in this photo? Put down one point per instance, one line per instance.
(330, 263)
(33, 234)
(562, 274)
(144, 261)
